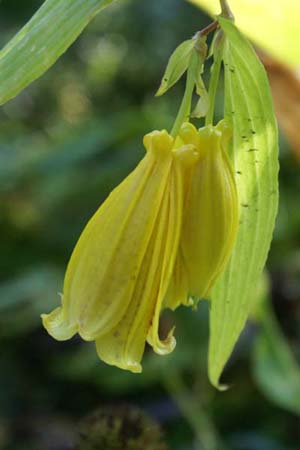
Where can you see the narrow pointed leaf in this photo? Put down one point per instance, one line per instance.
(42, 40)
(249, 109)
(202, 105)
(177, 65)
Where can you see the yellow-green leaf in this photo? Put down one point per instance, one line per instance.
(42, 40)
(177, 65)
(249, 110)
(274, 26)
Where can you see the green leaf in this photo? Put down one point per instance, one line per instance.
(275, 368)
(42, 40)
(177, 65)
(254, 153)
(185, 107)
(202, 105)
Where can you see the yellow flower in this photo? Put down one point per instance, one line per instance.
(211, 209)
(163, 235)
(118, 277)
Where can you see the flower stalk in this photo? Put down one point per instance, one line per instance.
(214, 79)
(185, 107)
(226, 11)
(206, 435)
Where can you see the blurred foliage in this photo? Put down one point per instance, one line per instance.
(276, 27)
(285, 85)
(275, 368)
(119, 428)
(65, 142)
(41, 41)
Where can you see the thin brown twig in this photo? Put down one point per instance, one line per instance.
(211, 27)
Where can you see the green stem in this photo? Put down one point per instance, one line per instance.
(226, 11)
(213, 85)
(185, 107)
(204, 430)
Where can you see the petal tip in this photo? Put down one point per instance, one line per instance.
(57, 326)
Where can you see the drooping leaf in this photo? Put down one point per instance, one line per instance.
(177, 65)
(185, 107)
(274, 26)
(275, 368)
(249, 110)
(41, 42)
(202, 105)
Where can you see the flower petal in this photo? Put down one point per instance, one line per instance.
(178, 290)
(102, 272)
(211, 218)
(171, 219)
(57, 325)
(124, 345)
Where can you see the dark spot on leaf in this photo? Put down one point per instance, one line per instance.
(238, 172)
(252, 150)
(245, 205)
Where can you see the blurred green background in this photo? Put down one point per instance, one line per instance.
(65, 142)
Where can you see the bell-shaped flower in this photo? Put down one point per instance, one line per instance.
(210, 212)
(118, 277)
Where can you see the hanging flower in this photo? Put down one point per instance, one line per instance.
(118, 278)
(211, 209)
(160, 240)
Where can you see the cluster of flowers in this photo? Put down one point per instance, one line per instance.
(160, 240)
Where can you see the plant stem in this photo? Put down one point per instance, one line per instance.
(226, 11)
(206, 435)
(211, 27)
(185, 107)
(213, 86)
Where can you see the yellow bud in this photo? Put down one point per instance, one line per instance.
(211, 209)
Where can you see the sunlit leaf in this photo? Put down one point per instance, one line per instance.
(285, 85)
(202, 105)
(249, 109)
(42, 40)
(272, 25)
